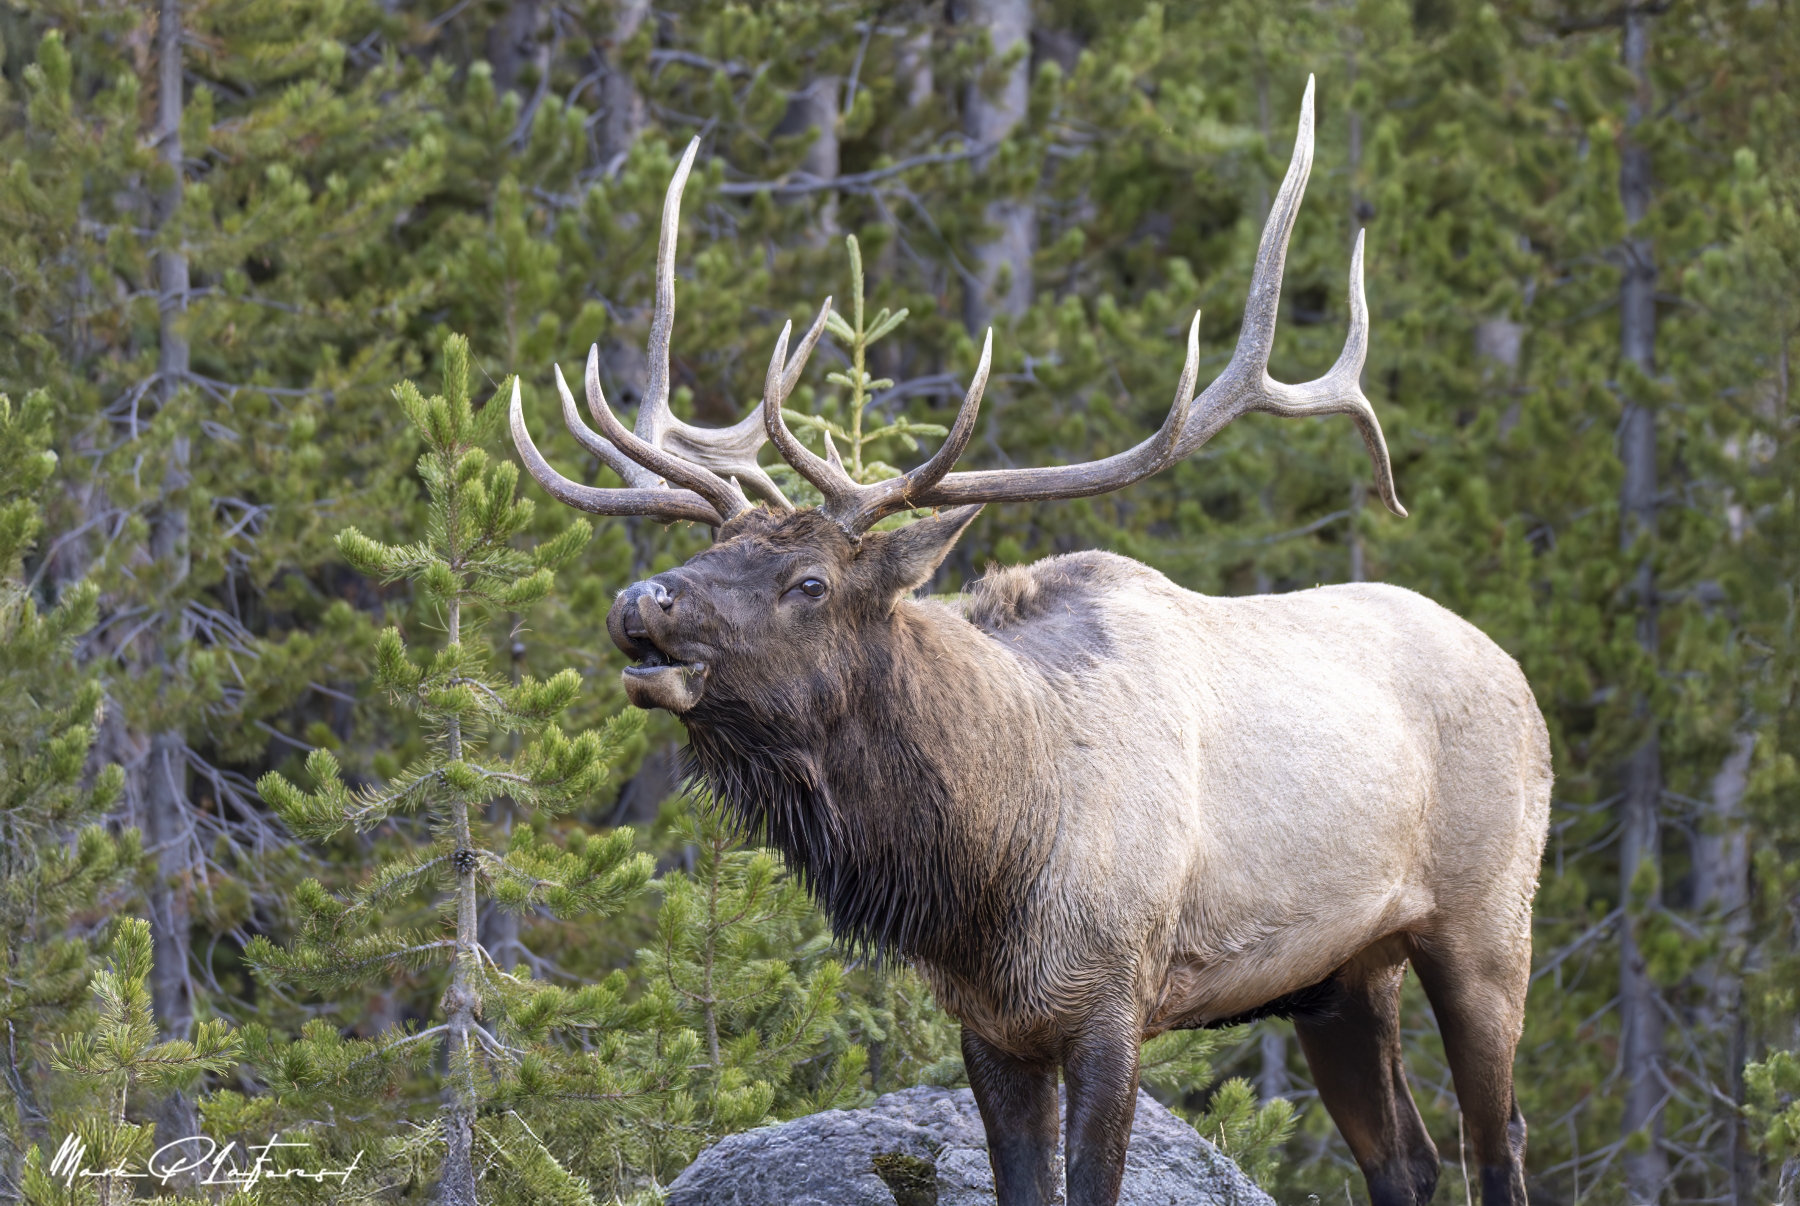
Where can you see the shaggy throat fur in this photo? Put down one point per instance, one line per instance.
(891, 872)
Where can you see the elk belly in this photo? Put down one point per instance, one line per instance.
(1283, 966)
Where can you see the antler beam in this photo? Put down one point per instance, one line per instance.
(660, 503)
(1244, 386)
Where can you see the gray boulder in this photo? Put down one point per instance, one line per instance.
(925, 1147)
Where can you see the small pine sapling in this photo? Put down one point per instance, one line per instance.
(1177, 1062)
(858, 338)
(739, 957)
(910, 1040)
(119, 1056)
(499, 1029)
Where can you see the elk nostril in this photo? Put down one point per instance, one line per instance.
(663, 599)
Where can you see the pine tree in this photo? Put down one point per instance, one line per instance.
(1252, 1133)
(496, 1024)
(737, 959)
(120, 1057)
(857, 338)
(181, 280)
(56, 860)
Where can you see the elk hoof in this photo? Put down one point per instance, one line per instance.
(677, 687)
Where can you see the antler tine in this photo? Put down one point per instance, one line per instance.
(790, 376)
(653, 412)
(1244, 386)
(857, 507)
(827, 477)
(919, 480)
(1339, 392)
(1256, 337)
(1077, 481)
(633, 473)
(871, 504)
(662, 504)
(726, 499)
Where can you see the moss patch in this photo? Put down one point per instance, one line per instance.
(912, 1180)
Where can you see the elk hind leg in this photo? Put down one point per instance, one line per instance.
(1352, 1046)
(1477, 990)
(1017, 1099)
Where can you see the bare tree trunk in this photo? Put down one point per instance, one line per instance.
(161, 789)
(456, 1184)
(1640, 1015)
(515, 42)
(1272, 1078)
(1359, 558)
(1003, 282)
(1722, 887)
(499, 929)
(913, 65)
(1640, 1012)
(621, 108)
(815, 108)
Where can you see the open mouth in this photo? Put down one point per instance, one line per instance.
(660, 681)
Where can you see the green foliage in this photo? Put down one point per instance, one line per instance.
(357, 179)
(738, 957)
(514, 1044)
(56, 859)
(1774, 1104)
(858, 339)
(118, 1055)
(121, 1050)
(1251, 1133)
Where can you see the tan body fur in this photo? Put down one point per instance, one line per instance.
(1251, 790)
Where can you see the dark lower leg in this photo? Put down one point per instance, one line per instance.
(1101, 1070)
(1018, 1109)
(1354, 1053)
(1479, 1019)
(1503, 1176)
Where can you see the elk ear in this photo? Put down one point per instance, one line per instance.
(904, 559)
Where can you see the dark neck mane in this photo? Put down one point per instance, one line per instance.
(865, 808)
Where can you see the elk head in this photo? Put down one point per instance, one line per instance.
(770, 619)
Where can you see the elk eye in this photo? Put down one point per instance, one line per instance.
(812, 588)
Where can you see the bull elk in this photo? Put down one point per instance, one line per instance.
(1089, 805)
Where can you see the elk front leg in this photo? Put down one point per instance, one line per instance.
(1101, 1071)
(1017, 1099)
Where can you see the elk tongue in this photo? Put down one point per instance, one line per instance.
(677, 687)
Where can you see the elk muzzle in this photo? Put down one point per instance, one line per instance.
(640, 624)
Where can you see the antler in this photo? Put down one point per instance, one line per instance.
(707, 465)
(659, 502)
(857, 507)
(1244, 386)
(709, 462)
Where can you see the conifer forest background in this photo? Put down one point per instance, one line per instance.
(324, 814)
